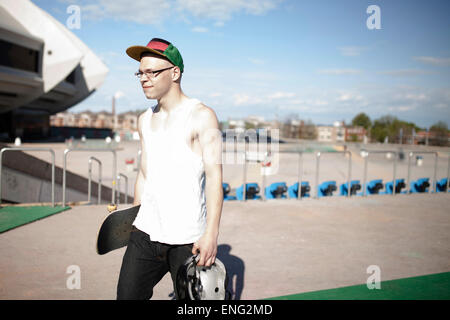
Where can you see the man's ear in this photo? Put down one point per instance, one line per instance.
(176, 75)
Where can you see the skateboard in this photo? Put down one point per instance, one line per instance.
(115, 230)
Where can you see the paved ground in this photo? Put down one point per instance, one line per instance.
(271, 248)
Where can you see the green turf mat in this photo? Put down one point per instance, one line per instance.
(428, 287)
(12, 217)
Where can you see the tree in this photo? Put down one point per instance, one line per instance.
(440, 134)
(362, 120)
(307, 130)
(380, 129)
(389, 126)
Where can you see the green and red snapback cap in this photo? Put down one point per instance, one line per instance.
(160, 47)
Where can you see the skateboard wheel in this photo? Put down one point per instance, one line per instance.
(112, 207)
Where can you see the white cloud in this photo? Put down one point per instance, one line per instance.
(136, 11)
(352, 51)
(200, 29)
(256, 61)
(318, 102)
(405, 72)
(240, 99)
(245, 99)
(155, 12)
(443, 62)
(401, 108)
(415, 96)
(339, 71)
(221, 11)
(280, 95)
(348, 96)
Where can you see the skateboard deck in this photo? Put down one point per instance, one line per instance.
(115, 230)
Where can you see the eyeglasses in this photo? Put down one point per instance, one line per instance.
(150, 74)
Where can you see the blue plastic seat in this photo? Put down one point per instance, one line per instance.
(293, 190)
(251, 192)
(327, 188)
(276, 190)
(374, 186)
(226, 191)
(355, 186)
(399, 185)
(420, 185)
(441, 185)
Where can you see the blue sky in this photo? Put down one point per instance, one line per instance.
(315, 60)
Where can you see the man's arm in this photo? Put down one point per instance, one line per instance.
(210, 139)
(138, 188)
(140, 179)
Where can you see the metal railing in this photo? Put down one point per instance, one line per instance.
(299, 174)
(126, 187)
(410, 154)
(67, 151)
(245, 170)
(319, 154)
(139, 159)
(448, 174)
(365, 167)
(99, 179)
(30, 149)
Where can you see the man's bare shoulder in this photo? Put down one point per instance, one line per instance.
(141, 116)
(204, 116)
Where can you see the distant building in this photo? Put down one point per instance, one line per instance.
(340, 133)
(237, 125)
(326, 134)
(431, 138)
(129, 120)
(85, 119)
(104, 120)
(355, 134)
(125, 122)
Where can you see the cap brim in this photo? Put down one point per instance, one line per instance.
(135, 52)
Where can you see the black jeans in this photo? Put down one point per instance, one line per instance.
(145, 263)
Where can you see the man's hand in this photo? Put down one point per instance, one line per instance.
(207, 245)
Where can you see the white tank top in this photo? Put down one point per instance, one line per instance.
(173, 203)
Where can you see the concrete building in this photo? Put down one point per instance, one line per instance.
(43, 70)
(355, 134)
(326, 133)
(126, 122)
(338, 132)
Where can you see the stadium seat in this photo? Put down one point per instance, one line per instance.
(419, 185)
(374, 186)
(327, 188)
(355, 186)
(226, 191)
(441, 185)
(251, 192)
(276, 190)
(293, 190)
(399, 185)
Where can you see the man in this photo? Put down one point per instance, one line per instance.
(179, 181)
